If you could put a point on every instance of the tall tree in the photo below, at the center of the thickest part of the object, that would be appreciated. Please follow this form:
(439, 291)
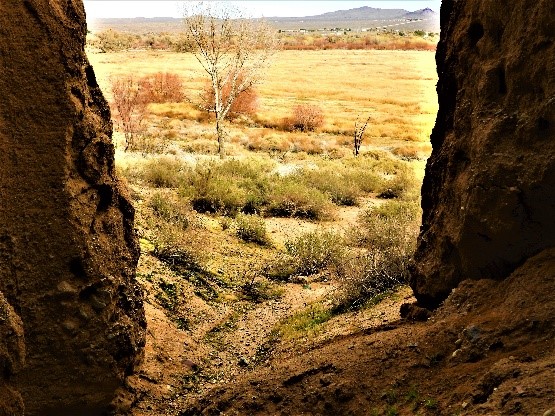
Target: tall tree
(234, 51)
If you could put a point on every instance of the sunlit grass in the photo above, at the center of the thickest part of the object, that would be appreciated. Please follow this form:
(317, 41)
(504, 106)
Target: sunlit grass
(395, 88)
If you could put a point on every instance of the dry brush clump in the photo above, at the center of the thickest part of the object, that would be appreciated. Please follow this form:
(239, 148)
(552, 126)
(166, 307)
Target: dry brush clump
(162, 87)
(251, 229)
(308, 254)
(305, 118)
(111, 40)
(290, 198)
(130, 105)
(164, 172)
(251, 187)
(384, 241)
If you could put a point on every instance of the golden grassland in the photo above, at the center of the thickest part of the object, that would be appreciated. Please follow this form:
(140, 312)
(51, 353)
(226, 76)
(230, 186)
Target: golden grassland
(395, 88)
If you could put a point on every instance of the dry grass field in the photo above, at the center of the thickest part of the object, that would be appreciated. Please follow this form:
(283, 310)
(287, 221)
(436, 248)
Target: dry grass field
(395, 88)
(289, 241)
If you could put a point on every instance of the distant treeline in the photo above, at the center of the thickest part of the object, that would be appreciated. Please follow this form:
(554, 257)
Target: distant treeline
(114, 41)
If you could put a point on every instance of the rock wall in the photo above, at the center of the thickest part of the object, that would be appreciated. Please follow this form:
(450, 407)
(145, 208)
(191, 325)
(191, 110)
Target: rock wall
(67, 244)
(489, 192)
(12, 358)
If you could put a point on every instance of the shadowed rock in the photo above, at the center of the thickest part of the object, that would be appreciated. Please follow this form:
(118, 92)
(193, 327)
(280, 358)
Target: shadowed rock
(67, 243)
(12, 357)
(489, 191)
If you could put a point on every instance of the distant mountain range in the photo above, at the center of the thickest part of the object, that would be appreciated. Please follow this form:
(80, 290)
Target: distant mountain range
(355, 19)
(370, 13)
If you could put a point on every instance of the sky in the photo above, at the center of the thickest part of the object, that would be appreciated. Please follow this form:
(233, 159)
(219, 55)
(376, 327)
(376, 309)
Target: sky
(253, 8)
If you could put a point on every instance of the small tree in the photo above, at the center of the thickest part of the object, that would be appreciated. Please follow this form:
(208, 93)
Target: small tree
(358, 133)
(233, 51)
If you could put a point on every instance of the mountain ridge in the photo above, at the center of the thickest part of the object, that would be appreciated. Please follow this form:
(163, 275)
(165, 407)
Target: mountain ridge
(358, 18)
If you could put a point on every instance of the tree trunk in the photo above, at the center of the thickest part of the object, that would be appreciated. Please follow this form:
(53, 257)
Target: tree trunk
(221, 138)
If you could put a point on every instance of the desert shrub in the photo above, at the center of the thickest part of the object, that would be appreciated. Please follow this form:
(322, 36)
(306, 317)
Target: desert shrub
(315, 251)
(292, 199)
(149, 144)
(309, 145)
(280, 268)
(340, 188)
(228, 187)
(251, 228)
(403, 185)
(130, 105)
(408, 152)
(226, 223)
(368, 276)
(305, 117)
(387, 233)
(170, 211)
(164, 172)
(219, 196)
(391, 224)
(114, 41)
(259, 290)
(307, 322)
(162, 87)
(261, 141)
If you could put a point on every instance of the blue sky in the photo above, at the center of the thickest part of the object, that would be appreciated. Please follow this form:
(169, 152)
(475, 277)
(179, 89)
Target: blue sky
(254, 8)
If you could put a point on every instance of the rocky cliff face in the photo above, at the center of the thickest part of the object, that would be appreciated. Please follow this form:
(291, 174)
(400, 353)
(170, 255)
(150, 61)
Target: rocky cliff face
(67, 244)
(489, 192)
(12, 357)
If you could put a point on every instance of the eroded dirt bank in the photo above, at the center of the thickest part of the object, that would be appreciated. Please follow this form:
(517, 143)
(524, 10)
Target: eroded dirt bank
(487, 351)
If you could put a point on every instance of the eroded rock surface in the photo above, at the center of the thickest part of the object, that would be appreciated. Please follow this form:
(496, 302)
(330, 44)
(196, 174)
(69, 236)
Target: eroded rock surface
(67, 243)
(12, 357)
(489, 192)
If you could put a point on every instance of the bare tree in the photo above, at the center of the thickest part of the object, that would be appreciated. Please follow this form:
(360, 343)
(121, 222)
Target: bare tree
(358, 133)
(233, 51)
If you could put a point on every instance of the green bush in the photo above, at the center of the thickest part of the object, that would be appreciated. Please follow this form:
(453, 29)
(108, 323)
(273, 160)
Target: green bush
(333, 182)
(164, 172)
(228, 188)
(387, 234)
(315, 251)
(281, 268)
(251, 228)
(391, 224)
(403, 185)
(290, 198)
(370, 275)
(172, 212)
(306, 322)
(260, 290)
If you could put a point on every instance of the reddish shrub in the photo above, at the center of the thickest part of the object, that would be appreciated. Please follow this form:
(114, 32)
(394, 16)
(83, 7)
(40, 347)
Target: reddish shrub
(305, 117)
(130, 106)
(162, 88)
